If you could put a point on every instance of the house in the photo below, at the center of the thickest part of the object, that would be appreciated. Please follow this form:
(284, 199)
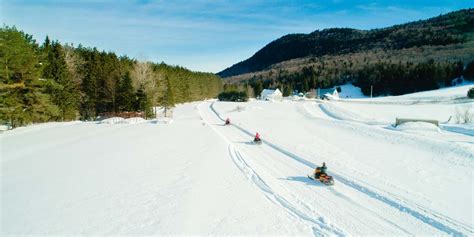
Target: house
(271, 95)
(328, 93)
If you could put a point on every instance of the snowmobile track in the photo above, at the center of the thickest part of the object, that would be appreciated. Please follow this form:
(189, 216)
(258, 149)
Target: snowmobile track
(321, 227)
(368, 192)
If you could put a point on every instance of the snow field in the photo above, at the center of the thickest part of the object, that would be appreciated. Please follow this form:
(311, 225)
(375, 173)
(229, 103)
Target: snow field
(145, 178)
(197, 176)
(314, 144)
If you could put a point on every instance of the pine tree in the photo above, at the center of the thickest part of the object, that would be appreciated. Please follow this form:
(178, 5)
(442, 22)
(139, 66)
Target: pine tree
(258, 88)
(125, 93)
(22, 97)
(468, 73)
(87, 81)
(62, 89)
(168, 100)
(141, 102)
(287, 90)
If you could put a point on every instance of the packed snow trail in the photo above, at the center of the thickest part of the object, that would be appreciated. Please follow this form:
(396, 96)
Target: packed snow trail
(373, 194)
(465, 156)
(141, 179)
(318, 226)
(429, 219)
(369, 226)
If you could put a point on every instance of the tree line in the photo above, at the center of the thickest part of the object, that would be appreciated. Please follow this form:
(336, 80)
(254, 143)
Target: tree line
(385, 77)
(59, 82)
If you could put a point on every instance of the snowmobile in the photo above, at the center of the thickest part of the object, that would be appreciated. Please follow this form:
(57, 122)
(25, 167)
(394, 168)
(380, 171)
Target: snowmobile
(227, 122)
(257, 141)
(322, 177)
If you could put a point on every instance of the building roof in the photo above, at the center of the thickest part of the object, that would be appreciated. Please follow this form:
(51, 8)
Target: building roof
(267, 92)
(330, 91)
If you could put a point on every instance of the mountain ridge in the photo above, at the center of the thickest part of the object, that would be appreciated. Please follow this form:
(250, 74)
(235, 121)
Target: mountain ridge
(451, 28)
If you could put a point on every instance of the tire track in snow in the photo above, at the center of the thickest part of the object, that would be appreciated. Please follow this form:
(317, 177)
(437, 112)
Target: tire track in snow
(344, 214)
(387, 134)
(318, 226)
(370, 193)
(239, 161)
(284, 152)
(435, 214)
(270, 154)
(342, 196)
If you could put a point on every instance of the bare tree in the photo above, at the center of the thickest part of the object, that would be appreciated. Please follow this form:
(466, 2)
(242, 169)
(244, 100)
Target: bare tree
(464, 114)
(250, 92)
(142, 76)
(74, 62)
(150, 81)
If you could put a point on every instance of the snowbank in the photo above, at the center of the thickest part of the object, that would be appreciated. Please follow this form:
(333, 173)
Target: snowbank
(339, 111)
(454, 94)
(164, 120)
(134, 120)
(4, 127)
(113, 120)
(417, 126)
(119, 120)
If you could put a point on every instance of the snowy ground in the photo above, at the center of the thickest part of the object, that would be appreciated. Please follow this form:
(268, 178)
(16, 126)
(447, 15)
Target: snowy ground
(196, 176)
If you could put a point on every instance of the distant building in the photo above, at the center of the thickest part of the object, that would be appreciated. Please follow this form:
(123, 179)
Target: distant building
(271, 95)
(328, 93)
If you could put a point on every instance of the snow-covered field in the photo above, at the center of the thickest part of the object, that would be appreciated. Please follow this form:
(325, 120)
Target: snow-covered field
(196, 176)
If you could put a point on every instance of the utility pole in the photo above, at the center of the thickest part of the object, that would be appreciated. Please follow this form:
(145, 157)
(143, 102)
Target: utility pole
(371, 89)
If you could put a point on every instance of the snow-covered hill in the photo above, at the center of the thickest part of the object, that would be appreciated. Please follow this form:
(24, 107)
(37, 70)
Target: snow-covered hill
(196, 176)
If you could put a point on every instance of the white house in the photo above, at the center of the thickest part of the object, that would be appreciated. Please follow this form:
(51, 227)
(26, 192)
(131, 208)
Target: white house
(328, 93)
(271, 95)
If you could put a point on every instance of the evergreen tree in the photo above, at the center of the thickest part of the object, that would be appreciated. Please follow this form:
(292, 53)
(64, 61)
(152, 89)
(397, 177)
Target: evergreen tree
(287, 90)
(22, 97)
(87, 81)
(62, 89)
(258, 88)
(168, 100)
(468, 73)
(142, 103)
(125, 93)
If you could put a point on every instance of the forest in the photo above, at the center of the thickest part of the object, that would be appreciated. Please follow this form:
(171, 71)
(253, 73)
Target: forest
(59, 82)
(416, 56)
(385, 78)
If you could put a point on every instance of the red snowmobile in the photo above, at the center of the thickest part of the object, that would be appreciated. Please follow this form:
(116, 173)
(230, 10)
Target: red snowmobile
(257, 139)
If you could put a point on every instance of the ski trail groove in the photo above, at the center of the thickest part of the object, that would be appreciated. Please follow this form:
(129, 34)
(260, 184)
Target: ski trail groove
(372, 194)
(255, 179)
(307, 112)
(321, 228)
(343, 196)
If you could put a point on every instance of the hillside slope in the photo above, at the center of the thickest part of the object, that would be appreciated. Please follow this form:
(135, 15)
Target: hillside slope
(452, 28)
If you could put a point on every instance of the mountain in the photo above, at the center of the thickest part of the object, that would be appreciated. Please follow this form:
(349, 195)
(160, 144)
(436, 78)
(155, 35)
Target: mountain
(454, 28)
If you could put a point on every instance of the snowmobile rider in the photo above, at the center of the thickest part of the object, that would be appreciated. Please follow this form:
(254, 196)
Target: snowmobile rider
(227, 121)
(320, 170)
(257, 137)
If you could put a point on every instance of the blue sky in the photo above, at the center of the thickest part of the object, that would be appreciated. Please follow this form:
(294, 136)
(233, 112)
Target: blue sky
(203, 35)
